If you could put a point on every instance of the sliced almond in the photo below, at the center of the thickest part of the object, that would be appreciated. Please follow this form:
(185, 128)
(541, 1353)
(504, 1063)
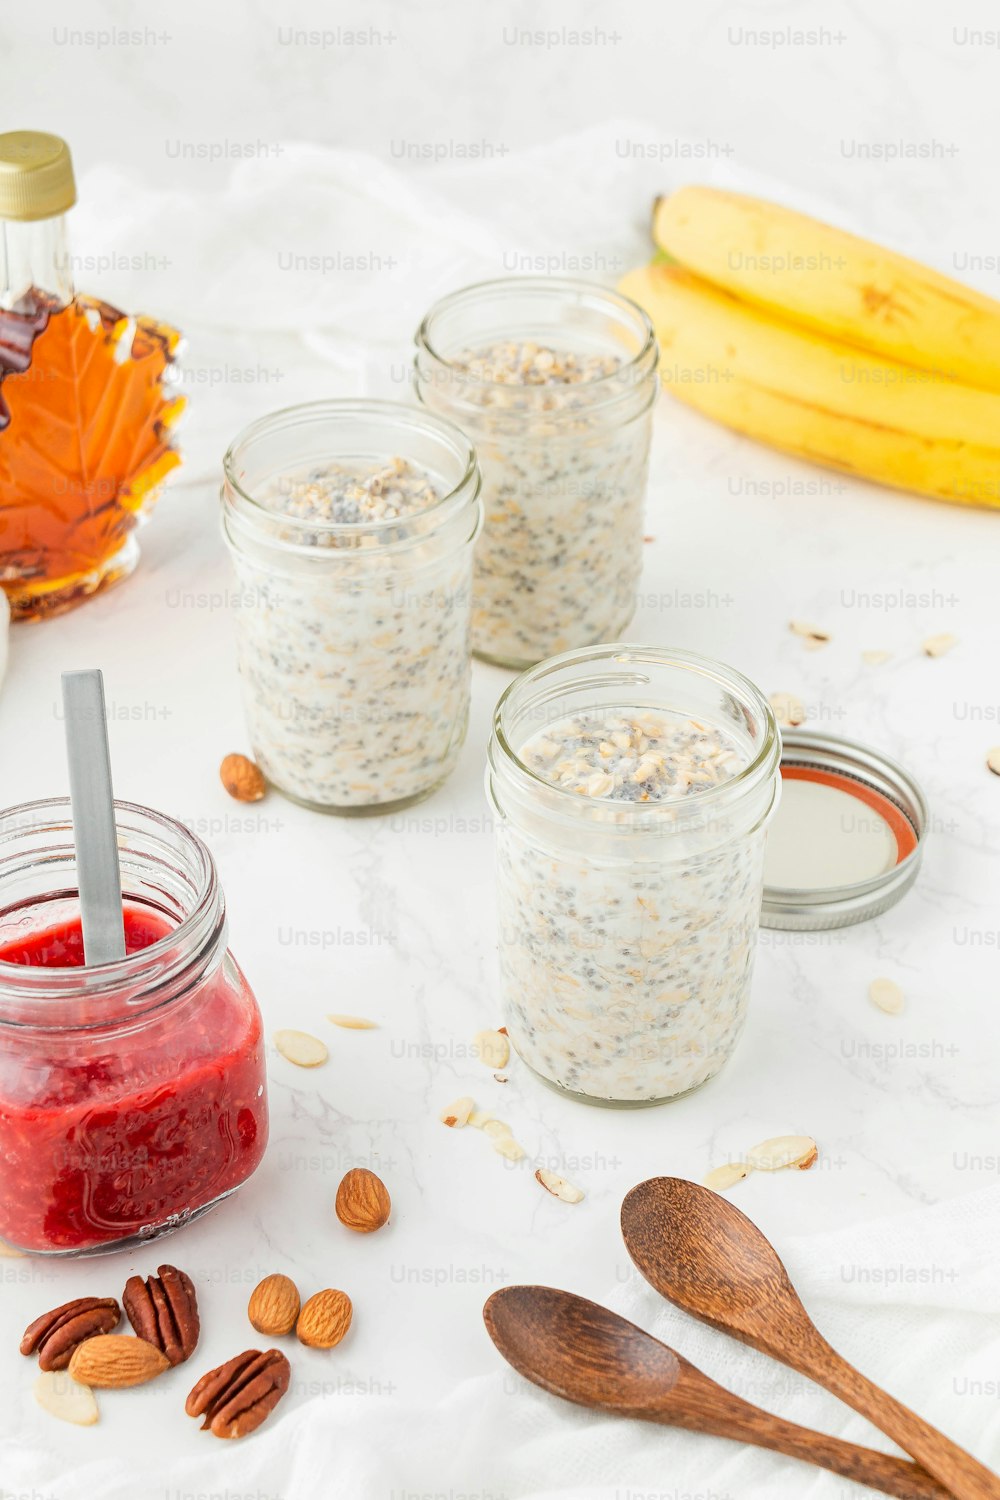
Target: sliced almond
(565, 1191)
(492, 1048)
(505, 1145)
(480, 1118)
(300, 1048)
(495, 1128)
(353, 1023)
(812, 635)
(113, 1361)
(993, 760)
(66, 1398)
(783, 1151)
(887, 995)
(939, 645)
(726, 1176)
(788, 709)
(458, 1114)
(9, 1252)
(875, 658)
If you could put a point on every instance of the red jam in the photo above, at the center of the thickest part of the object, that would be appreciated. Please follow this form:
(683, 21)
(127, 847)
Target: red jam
(119, 1132)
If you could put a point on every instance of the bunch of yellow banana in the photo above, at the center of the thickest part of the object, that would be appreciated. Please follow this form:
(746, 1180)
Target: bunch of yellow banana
(826, 346)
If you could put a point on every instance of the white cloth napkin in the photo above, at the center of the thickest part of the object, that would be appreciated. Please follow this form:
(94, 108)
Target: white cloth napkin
(912, 1300)
(312, 268)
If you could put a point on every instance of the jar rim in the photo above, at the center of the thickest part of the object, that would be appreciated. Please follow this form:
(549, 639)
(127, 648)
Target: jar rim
(306, 412)
(148, 970)
(764, 762)
(549, 285)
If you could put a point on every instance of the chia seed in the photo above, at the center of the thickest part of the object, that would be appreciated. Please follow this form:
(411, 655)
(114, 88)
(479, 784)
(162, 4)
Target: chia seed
(356, 670)
(626, 972)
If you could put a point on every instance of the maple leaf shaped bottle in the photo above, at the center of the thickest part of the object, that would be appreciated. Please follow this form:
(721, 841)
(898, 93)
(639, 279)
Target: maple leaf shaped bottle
(85, 411)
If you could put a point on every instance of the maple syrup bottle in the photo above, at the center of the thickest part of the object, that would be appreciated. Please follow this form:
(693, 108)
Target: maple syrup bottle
(85, 414)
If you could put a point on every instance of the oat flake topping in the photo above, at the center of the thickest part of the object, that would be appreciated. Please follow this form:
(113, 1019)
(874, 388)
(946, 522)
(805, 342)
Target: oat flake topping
(528, 363)
(632, 756)
(357, 496)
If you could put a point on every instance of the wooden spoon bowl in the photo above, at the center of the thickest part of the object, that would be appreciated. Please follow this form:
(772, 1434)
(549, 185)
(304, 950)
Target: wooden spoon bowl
(706, 1257)
(589, 1355)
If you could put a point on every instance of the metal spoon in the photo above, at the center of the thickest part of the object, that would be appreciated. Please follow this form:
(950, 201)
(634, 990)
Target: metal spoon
(587, 1354)
(706, 1257)
(93, 803)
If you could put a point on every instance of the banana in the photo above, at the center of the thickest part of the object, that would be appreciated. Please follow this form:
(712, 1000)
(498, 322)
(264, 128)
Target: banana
(819, 399)
(833, 282)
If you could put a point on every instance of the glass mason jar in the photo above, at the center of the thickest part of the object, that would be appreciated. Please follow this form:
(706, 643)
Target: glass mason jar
(353, 635)
(564, 456)
(132, 1094)
(627, 926)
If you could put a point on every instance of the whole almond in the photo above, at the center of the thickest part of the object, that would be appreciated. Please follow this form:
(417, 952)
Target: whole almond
(242, 779)
(324, 1320)
(114, 1360)
(274, 1305)
(363, 1202)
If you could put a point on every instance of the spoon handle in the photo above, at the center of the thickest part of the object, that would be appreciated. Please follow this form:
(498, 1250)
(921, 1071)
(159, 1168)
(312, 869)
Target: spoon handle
(717, 1411)
(965, 1477)
(93, 803)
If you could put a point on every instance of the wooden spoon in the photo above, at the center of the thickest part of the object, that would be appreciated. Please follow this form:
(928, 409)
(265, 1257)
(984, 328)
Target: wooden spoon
(587, 1354)
(706, 1257)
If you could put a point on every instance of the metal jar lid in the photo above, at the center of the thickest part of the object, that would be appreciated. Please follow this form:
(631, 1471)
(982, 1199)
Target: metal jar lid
(847, 838)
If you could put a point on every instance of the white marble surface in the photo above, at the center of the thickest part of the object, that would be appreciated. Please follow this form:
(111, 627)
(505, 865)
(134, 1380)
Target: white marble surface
(398, 912)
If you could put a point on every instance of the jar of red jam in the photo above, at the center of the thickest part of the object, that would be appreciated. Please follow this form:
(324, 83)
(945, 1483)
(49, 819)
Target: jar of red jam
(132, 1094)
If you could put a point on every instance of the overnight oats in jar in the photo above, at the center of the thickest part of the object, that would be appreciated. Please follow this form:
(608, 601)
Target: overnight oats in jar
(554, 381)
(632, 788)
(351, 526)
(132, 1094)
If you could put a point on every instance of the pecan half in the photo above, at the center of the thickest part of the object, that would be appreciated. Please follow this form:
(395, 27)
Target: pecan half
(57, 1333)
(238, 1396)
(163, 1310)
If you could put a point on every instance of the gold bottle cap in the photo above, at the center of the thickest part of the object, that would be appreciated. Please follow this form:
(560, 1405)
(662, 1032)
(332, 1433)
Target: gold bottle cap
(36, 175)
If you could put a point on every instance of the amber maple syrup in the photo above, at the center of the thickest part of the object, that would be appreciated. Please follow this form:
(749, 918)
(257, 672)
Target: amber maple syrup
(85, 414)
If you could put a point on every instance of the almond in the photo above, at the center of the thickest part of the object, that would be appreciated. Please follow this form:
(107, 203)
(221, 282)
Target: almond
(242, 779)
(726, 1176)
(113, 1360)
(456, 1115)
(492, 1048)
(887, 995)
(783, 1151)
(992, 760)
(363, 1202)
(353, 1023)
(787, 709)
(66, 1398)
(274, 1305)
(939, 645)
(812, 635)
(565, 1191)
(300, 1048)
(324, 1320)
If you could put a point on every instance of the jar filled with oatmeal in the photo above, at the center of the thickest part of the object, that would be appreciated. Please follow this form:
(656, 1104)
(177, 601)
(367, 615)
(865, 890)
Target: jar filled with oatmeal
(351, 525)
(632, 788)
(554, 381)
